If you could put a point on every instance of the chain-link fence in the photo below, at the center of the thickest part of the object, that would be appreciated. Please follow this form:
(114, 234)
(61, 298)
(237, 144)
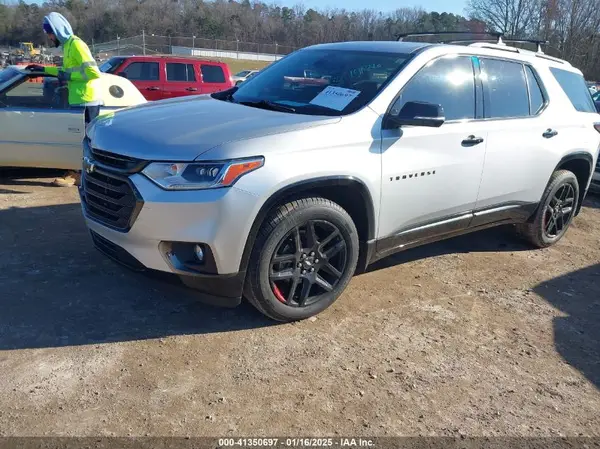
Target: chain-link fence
(147, 44)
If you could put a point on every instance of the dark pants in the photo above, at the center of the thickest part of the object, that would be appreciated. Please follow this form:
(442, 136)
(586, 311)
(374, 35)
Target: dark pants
(91, 112)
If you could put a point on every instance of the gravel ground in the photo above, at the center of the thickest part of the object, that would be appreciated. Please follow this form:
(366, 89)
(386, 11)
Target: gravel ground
(478, 335)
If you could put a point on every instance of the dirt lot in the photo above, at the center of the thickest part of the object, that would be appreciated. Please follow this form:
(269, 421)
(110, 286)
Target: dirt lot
(473, 336)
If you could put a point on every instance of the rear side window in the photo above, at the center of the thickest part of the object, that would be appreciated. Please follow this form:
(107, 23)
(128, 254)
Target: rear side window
(536, 96)
(448, 82)
(506, 94)
(574, 86)
(180, 72)
(142, 71)
(212, 74)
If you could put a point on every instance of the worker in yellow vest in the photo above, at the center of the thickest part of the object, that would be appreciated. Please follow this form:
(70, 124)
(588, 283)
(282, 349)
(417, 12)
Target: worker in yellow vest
(79, 68)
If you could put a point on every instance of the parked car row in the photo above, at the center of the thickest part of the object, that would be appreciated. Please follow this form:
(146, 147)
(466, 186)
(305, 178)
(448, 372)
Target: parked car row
(280, 188)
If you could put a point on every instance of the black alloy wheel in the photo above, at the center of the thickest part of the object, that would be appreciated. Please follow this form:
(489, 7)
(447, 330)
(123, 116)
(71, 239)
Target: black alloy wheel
(555, 212)
(559, 211)
(303, 258)
(308, 262)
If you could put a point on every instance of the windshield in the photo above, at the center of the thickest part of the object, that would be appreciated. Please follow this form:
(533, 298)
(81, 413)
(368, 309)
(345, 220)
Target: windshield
(111, 65)
(242, 73)
(322, 82)
(8, 76)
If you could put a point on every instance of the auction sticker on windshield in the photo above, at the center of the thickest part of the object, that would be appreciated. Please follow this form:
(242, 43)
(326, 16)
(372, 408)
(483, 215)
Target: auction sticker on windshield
(334, 97)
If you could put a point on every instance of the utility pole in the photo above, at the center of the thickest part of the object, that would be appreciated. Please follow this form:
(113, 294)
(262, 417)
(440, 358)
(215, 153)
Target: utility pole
(193, 44)
(118, 45)
(144, 42)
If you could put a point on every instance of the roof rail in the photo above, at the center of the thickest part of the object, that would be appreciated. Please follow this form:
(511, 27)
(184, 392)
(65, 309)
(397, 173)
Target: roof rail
(497, 35)
(551, 58)
(537, 42)
(502, 47)
(499, 38)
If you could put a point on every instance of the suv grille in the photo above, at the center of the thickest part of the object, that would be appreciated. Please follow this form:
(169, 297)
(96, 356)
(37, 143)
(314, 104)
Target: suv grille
(122, 163)
(116, 253)
(110, 199)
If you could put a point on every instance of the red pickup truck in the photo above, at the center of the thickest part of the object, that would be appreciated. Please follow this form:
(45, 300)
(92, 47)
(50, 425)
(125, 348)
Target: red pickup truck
(160, 77)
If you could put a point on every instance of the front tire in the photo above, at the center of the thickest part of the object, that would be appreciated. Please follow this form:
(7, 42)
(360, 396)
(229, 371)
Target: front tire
(556, 211)
(303, 259)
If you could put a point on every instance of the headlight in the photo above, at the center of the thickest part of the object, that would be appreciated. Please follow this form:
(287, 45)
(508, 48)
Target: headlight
(200, 175)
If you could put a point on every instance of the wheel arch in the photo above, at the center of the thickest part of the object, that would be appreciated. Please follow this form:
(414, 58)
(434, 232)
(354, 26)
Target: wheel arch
(580, 163)
(339, 189)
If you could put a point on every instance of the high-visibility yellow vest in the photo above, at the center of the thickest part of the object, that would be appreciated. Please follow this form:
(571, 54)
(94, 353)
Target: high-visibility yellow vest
(79, 68)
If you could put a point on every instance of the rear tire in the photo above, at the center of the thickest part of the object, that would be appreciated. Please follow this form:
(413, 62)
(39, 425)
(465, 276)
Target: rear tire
(303, 259)
(555, 212)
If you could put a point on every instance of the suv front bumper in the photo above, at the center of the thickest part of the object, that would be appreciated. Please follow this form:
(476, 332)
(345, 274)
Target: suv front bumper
(218, 219)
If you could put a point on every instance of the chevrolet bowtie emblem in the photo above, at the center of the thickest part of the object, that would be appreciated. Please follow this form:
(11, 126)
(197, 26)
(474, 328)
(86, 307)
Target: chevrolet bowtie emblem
(88, 165)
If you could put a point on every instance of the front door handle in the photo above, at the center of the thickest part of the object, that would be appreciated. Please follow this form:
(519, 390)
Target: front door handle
(152, 88)
(472, 140)
(550, 133)
(192, 89)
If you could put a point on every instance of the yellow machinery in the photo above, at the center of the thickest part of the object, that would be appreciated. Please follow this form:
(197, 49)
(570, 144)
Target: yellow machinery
(28, 49)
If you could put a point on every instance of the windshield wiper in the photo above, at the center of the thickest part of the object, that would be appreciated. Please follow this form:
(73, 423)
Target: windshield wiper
(226, 95)
(270, 105)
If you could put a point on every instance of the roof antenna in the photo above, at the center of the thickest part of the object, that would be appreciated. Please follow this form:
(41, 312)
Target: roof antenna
(539, 47)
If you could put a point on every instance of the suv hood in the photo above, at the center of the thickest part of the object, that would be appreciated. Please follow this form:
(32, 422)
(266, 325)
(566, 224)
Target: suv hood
(181, 129)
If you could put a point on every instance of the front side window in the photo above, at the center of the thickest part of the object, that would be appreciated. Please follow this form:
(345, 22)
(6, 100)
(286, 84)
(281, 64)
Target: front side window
(506, 94)
(142, 71)
(449, 82)
(574, 86)
(323, 82)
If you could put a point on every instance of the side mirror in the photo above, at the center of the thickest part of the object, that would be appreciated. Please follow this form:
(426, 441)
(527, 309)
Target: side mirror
(415, 113)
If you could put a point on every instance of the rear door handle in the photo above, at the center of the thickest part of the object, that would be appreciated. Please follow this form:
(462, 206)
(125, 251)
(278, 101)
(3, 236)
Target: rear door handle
(152, 88)
(191, 89)
(549, 133)
(472, 140)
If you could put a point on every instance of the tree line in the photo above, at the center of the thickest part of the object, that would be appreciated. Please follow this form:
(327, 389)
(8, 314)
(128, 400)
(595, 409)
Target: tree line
(570, 26)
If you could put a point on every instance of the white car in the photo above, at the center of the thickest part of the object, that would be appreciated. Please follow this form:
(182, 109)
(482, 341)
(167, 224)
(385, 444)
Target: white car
(38, 128)
(337, 156)
(242, 76)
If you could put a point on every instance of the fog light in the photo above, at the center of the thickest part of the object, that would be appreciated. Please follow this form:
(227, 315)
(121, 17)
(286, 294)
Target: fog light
(199, 253)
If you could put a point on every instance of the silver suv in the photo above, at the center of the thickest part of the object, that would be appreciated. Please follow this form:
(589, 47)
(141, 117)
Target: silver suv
(338, 155)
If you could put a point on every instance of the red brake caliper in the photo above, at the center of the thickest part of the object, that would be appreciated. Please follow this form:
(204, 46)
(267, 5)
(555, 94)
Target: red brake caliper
(278, 294)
